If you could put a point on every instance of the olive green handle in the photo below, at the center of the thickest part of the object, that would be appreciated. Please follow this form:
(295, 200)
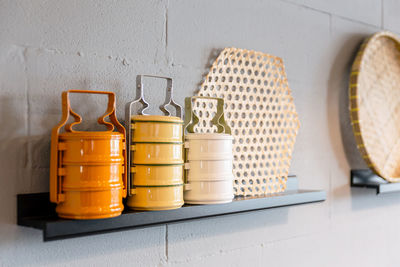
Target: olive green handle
(218, 120)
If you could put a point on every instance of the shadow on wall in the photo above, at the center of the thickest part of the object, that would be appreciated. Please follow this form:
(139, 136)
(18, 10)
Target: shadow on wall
(346, 152)
(254, 223)
(137, 242)
(13, 156)
(361, 198)
(89, 107)
(210, 61)
(144, 242)
(17, 149)
(338, 89)
(25, 141)
(23, 159)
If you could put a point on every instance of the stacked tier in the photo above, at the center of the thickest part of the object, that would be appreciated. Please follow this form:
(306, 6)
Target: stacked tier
(87, 169)
(209, 168)
(157, 163)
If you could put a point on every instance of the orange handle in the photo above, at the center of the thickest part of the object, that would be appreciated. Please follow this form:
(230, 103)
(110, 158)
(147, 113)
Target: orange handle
(55, 152)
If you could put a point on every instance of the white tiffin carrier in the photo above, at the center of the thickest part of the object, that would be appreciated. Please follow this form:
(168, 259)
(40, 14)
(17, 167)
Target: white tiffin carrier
(208, 165)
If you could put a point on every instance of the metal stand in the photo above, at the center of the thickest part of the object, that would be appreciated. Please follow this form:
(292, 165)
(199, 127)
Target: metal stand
(368, 179)
(35, 210)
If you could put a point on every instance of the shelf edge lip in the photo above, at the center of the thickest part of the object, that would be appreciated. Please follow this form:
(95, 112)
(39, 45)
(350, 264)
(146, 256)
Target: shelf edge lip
(43, 218)
(388, 188)
(309, 197)
(380, 185)
(47, 237)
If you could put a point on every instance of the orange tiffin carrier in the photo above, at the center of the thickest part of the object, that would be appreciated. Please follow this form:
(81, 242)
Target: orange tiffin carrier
(88, 168)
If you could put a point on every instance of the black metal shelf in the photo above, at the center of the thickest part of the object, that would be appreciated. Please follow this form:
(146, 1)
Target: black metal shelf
(368, 179)
(35, 210)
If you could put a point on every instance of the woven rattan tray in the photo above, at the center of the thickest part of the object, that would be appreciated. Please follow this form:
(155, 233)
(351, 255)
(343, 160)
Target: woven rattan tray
(260, 110)
(374, 94)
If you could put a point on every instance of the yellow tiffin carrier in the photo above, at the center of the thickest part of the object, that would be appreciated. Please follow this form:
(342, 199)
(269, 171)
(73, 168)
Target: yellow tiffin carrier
(156, 156)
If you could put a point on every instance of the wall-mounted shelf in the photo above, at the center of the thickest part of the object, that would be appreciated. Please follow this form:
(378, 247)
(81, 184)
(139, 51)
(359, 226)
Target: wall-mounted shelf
(368, 179)
(35, 210)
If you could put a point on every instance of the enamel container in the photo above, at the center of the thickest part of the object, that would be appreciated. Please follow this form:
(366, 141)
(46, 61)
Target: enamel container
(156, 197)
(87, 169)
(209, 192)
(208, 165)
(156, 155)
(143, 175)
(208, 146)
(152, 128)
(203, 170)
(208, 168)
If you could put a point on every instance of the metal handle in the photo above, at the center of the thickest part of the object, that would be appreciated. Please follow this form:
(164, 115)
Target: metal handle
(186, 166)
(140, 99)
(187, 187)
(56, 148)
(168, 98)
(218, 120)
(191, 120)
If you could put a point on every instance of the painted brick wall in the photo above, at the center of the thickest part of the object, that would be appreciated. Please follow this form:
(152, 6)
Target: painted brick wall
(49, 46)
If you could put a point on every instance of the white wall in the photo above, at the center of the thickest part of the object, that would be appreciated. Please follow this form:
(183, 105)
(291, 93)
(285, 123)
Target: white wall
(50, 46)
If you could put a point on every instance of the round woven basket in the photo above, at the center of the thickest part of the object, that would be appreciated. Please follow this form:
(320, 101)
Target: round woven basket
(374, 94)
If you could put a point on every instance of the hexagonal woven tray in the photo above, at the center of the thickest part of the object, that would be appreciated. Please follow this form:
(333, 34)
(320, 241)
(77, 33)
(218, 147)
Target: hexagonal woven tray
(374, 94)
(260, 110)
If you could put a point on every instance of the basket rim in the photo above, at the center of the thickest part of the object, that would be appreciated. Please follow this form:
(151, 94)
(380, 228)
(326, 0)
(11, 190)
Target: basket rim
(356, 70)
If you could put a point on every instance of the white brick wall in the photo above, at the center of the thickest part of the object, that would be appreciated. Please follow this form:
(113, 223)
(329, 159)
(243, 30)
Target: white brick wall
(50, 46)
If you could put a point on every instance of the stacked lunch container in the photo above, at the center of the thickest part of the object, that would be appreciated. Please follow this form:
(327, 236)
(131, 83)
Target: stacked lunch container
(209, 177)
(156, 155)
(87, 168)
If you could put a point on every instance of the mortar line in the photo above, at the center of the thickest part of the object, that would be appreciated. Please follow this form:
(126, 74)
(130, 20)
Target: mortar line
(28, 117)
(166, 25)
(166, 242)
(166, 32)
(355, 21)
(328, 13)
(27, 93)
(305, 7)
(232, 250)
